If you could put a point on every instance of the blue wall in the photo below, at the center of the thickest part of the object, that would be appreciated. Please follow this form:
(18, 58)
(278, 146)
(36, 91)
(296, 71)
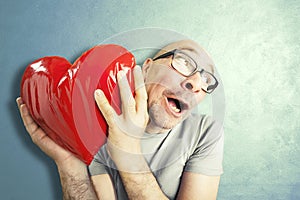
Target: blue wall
(255, 45)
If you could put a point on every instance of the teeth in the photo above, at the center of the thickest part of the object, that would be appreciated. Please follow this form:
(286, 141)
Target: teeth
(175, 109)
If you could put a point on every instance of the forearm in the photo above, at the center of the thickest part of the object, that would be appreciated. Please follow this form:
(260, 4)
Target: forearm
(137, 178)
(76, 183)
(141, 186)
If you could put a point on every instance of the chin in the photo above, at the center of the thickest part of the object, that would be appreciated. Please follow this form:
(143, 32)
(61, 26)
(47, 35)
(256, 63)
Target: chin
(161, 119)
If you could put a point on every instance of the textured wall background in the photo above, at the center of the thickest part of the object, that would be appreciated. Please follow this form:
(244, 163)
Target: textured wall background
(255, 45)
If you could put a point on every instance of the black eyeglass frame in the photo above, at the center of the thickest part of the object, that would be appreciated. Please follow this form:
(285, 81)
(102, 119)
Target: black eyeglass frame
(210, 88)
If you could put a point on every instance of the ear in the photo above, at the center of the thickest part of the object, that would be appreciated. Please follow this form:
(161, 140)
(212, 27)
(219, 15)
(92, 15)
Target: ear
(146, 66)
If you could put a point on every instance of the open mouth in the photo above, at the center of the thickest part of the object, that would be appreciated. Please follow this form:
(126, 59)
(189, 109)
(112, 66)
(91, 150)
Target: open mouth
(176, 105)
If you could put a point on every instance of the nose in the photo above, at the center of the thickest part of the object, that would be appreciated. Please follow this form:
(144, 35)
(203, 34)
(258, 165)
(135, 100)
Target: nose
(192, 83)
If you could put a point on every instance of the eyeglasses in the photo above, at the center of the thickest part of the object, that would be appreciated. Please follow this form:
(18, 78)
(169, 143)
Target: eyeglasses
(186, 66)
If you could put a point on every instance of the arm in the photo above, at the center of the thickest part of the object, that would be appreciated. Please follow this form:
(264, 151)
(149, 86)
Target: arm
(74, 178)
(75, 181)
(140, 183)
(206, 159)
(104, 187)
(198, 186)
(124, 138)
(138, 179)
(143, 185)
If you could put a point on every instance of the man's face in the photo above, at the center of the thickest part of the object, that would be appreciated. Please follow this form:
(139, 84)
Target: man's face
(171, 96)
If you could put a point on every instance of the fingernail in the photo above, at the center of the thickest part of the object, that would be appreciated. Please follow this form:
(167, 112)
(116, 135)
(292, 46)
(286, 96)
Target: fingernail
(121, 74)
(99, 93)
(137, 67)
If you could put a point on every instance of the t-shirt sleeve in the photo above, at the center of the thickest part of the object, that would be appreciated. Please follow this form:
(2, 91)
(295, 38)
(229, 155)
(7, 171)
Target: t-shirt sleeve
(207, 156)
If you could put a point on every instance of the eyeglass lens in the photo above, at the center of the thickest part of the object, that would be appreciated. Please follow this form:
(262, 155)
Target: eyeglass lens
(186, 66)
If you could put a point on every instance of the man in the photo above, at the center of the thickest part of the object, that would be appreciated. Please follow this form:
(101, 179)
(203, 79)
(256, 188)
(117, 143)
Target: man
(156, 149)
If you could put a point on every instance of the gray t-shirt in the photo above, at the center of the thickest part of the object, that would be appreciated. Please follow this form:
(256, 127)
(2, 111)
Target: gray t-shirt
(195, 145)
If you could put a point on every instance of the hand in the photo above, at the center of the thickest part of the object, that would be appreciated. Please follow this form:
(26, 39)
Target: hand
(41, 139)
(125, 130)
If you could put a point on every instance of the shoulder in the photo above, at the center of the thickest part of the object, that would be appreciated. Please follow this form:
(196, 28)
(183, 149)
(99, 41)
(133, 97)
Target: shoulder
(207, 146)
(201, 129)
(200, 123)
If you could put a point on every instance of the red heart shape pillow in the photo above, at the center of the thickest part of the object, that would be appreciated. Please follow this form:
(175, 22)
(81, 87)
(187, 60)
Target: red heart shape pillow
(60, 96)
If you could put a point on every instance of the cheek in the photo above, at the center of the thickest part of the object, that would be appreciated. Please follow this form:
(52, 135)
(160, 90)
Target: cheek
(199, 97)
(195, 99)
(154, 92)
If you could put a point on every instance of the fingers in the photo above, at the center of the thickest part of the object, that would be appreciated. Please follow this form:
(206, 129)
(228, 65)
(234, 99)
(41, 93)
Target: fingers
(127, 100)
(38, 136)
(140, 90)
(32, 128)
(28, 121)
(130, 105)
(19, 101)
(107, 111)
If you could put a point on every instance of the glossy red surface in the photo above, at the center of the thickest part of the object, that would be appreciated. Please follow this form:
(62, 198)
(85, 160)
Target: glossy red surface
(60, 96)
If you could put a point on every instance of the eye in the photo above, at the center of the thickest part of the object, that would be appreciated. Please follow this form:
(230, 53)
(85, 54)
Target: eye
(206, 78)
(183, 63)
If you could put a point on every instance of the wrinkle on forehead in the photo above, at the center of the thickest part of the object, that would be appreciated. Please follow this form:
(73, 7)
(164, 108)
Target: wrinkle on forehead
(194, 50)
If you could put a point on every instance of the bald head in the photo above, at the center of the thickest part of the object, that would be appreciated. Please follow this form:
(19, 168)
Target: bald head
(194, 50)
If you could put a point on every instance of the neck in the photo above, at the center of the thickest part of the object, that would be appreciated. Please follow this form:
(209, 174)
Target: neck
(152, 128)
